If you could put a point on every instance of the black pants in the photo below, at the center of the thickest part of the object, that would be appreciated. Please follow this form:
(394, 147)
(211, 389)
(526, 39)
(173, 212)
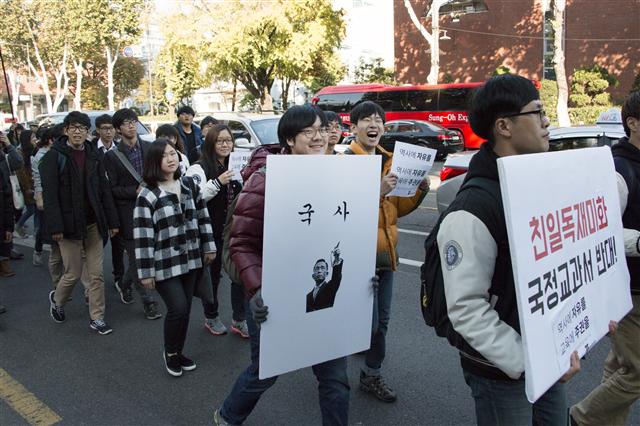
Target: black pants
(210, 307)
(130, 278)
(117, 257)
(177, 293)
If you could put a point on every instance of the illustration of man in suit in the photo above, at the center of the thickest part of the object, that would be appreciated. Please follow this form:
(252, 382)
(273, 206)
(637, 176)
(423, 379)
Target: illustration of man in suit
(323, 294)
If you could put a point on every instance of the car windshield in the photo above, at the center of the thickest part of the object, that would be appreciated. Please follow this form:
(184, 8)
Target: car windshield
(266, 130)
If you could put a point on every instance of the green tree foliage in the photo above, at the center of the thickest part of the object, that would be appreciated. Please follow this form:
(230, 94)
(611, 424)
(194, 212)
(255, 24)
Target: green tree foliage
(502, 69)
(178, 66)
(372, 71)
(256, 42)
(325, 73)
(128, 74)
(589, 87)
(549, 98)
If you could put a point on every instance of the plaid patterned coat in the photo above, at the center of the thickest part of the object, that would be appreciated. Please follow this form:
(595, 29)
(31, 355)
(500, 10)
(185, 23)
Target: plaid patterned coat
(171, 235)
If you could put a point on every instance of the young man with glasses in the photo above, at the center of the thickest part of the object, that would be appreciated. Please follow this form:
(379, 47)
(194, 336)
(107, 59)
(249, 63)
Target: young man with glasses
(189, 132)
(476, 261)
(106, 134)
(80, 215)
(124, 170)
(335, 131)
(367, 123)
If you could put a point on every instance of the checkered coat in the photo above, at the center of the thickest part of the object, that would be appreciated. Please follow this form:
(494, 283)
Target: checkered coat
(171, 235)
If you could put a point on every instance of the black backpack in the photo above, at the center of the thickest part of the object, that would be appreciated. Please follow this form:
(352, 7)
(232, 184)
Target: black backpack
(433, 303)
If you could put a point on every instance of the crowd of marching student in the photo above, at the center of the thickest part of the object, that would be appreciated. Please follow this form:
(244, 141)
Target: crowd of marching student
(165, 205)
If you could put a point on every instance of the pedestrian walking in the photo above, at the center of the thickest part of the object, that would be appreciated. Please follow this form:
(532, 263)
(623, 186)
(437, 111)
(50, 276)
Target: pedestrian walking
(301, 131)
(25, 177)
(124, 166)
(610, 402)
(173, 239)
(189, 132)
(367, 124)
(80, 216)
(218, 187)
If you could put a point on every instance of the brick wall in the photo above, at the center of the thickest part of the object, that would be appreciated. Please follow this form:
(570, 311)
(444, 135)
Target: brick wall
(476, 49)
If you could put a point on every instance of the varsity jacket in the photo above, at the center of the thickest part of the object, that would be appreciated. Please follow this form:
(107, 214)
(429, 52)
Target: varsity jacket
(171, 234)
(478, 278)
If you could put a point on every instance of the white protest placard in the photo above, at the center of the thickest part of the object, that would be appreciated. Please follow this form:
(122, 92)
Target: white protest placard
(565, 234)
(237, 161)
(411, 163)
(319, 255)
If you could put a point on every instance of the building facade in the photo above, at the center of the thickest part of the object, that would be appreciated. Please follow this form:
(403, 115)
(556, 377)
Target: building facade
(517, 34)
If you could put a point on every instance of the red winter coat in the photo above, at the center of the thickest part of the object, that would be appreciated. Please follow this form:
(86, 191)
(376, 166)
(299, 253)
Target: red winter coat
(245, 238)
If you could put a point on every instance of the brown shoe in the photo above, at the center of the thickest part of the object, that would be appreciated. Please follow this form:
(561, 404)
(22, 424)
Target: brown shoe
(5, 269)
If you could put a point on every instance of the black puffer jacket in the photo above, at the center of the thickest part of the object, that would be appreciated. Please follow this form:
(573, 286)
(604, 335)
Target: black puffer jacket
(626, 158)
(65, 206)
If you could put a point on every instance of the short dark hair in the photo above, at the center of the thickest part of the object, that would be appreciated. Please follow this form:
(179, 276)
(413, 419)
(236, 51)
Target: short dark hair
(366, 109)
(121, 115)
(152, 171)
(323, 261)
(103, 119)
(631, 108)
(332, 117)
(208, 120)
(499, 96)
(168, 130)
(295, 119)
(77, 117)
(185, 109)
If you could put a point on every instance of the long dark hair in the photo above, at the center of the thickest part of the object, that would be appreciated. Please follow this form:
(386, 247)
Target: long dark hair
(170, 130)
(26, 147)
(152, 171)
(208, 159)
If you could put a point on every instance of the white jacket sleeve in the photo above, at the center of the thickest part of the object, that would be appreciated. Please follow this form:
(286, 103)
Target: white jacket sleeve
(208, 188)
(468, 254)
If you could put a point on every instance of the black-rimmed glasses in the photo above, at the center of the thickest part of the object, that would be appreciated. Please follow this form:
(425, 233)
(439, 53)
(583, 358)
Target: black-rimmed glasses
(541, 113)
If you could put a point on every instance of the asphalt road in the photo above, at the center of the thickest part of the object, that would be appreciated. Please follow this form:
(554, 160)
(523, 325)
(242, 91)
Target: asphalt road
(119, 379)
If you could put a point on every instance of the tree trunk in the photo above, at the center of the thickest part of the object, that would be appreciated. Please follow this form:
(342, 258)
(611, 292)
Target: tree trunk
(62, 80)
(431, 38)
(41, 76)
(77, 100)
(14, 86)
(286, 83)
(559, 60)
(235, 94)
(266, 102)
(111, 62)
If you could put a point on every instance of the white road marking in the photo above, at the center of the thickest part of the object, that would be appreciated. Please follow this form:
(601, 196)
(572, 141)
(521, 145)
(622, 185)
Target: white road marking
(410, 231)
(410, 262)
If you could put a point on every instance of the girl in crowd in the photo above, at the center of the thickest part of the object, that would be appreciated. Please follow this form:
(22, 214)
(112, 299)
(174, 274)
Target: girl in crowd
(218, 189)
(173, 238)
(27, 146)
(335, 131)
(171, 134)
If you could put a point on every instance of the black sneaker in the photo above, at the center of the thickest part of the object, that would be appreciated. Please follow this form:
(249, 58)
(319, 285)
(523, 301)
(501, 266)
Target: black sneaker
(2, 309)
(100, 326)
(172, 363)
(151, 311)
(186, 363)
(125, 293)
(57, 312)
(377, 386)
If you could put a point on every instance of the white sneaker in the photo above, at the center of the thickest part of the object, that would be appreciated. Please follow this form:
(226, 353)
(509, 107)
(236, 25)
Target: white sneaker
(37, 258)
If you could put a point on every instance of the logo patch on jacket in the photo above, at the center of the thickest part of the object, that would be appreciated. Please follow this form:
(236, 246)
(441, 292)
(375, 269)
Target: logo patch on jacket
(452, 254)
(196, 179)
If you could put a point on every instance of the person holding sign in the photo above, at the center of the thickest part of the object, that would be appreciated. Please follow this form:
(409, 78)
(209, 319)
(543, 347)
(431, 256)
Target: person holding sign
(476, 262)
(611, 401)
(211, 173)
(367, 123)
(301, 131)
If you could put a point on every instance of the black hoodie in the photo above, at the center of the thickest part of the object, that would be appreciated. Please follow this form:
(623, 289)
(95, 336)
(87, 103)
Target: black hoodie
(626, 158)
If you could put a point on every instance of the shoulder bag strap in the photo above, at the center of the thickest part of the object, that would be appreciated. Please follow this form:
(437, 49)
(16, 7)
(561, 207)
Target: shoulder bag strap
(127, 165)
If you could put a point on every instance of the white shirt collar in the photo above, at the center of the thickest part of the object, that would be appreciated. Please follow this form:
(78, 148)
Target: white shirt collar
(101, 145)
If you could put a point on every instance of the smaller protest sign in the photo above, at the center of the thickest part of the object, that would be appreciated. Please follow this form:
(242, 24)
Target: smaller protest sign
(411, 163)
(237, 161)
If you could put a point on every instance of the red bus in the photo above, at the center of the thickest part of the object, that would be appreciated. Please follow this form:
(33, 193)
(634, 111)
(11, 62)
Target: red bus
(444, 104)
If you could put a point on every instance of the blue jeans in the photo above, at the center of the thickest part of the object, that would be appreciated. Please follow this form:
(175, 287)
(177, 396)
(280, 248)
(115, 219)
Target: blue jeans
(333, 386)
(29, 210)
(503, 402)
(381, 314)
